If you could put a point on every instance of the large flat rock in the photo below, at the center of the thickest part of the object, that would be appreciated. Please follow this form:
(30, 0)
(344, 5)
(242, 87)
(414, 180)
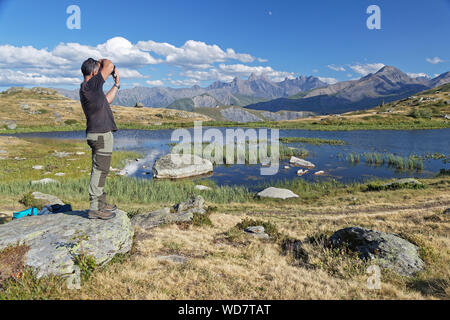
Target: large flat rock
(176, 166)
(54, 243)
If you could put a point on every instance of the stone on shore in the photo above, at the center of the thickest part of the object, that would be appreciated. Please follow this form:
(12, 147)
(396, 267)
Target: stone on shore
(301, 162)
(176, 166)
(277, 193)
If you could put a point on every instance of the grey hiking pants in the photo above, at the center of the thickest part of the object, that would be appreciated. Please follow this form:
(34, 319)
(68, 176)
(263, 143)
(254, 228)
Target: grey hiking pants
(102, 147)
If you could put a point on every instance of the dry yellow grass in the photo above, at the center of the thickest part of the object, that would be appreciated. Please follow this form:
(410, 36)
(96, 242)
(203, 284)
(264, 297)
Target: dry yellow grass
(259, 270)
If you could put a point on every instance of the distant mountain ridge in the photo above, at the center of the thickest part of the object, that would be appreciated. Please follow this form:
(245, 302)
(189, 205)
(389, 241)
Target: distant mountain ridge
(237, 92)
(388, 84)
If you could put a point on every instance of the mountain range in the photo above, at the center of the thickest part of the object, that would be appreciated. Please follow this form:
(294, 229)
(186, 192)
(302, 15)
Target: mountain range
(299, 94)
(237, 92)
(386, 85)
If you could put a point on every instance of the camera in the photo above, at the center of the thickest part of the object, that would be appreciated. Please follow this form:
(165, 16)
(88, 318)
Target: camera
(114, 73)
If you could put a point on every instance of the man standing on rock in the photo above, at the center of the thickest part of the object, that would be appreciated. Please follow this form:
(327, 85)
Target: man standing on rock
(99, 131)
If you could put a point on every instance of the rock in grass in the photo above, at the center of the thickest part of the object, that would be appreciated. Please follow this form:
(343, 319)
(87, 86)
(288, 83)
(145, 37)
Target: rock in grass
(202, 188)
(44, 181)
(176, 166)
(191, 205)
(173, 258)
(295, 248)
(11, 125)
(162, 216)
(257, 231)
(300, 162)
(183, 212)
(54, 240)
(277, 193)
(446, 211)
(386, 249)
(47, 198)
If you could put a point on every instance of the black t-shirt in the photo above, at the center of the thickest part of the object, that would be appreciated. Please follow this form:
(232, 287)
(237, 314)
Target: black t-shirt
(95, 106)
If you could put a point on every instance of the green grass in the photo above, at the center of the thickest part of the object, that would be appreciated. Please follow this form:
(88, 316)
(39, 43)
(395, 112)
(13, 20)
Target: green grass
(313, 141)
(131, 190)
(41, 152)
(285, 152)
(393, 123)
(381, 186)
(376, 159)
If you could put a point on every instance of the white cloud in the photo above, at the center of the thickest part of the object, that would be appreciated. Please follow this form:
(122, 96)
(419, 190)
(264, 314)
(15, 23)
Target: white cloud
(28, 56)
(61, 65)
(185, 82)
(244, 70)
(315, 70)
(227, 73)
(365, 69)
(155, 83)
(336, 68)
(19, 78)
(328, 80)
(193, 53)
(126, 73)
(119, 50)
(435, 60)
(417, 75)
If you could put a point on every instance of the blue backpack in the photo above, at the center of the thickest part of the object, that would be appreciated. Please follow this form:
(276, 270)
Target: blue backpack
(26, 213)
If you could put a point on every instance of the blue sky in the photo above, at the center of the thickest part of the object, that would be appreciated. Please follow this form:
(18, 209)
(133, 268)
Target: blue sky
(182, 43)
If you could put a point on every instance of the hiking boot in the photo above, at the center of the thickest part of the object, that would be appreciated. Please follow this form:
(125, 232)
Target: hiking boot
(101, 214)
(108, 207)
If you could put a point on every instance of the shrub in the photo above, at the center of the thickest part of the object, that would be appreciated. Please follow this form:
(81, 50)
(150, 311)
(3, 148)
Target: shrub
(71, 122)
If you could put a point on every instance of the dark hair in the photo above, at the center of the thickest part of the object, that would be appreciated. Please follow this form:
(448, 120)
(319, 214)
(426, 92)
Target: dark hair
(89, 66)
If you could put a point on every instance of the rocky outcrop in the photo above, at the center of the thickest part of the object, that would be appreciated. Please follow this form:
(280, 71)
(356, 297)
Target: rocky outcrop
(192, 205)
(55, 240)
(300, 162)
(176, 166)
(277, 193)
(156, 218)
(239, 115)
(181, 212)
(386, 249)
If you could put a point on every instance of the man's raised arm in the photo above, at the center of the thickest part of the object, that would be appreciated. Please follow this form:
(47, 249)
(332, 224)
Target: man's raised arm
(106, 68)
